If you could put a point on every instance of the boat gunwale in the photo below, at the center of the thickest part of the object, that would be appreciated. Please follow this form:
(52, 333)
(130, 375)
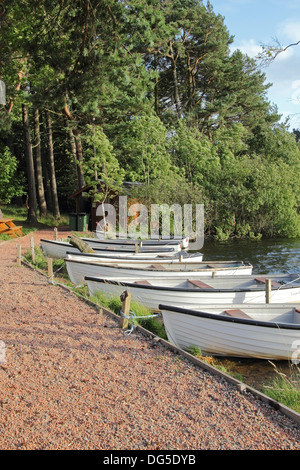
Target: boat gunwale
(129, 241)
(111, 251)
(176, 255)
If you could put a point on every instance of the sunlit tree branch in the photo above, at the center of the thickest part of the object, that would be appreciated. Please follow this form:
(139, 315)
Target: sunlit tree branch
(270, 52)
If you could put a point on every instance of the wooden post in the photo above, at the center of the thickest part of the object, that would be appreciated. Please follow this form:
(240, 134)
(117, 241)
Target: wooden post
(32, 250)
(50, 269)
(55, 233)
(19, 255)
(136, 248)
(268, 290)
(126, 299)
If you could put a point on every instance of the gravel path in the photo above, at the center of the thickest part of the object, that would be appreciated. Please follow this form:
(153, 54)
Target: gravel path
(72, 380)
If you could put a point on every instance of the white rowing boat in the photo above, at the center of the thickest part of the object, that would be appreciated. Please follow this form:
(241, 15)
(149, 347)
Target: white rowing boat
(78, 267)
(133, 245)
(154, 240)
(194, 293)
(263, 331)
(59, 249)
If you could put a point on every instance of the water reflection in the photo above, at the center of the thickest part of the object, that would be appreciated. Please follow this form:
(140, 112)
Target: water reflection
(266, 256)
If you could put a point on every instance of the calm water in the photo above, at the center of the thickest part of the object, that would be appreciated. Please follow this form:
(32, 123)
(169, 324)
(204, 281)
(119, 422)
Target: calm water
(266, 256)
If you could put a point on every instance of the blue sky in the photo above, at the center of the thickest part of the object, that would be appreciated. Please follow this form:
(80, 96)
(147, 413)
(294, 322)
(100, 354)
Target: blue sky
(257, 22)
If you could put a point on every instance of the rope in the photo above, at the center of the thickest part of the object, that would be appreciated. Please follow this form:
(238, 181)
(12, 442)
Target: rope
(132, 316)
(284, 284)
(62, 266)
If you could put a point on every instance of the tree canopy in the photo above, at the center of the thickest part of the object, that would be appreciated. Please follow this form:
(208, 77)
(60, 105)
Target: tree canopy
(146, 91)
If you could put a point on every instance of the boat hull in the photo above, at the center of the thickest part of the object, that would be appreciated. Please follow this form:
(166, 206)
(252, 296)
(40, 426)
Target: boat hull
(132, 246)
(217, 335)
(184, 242)
(59, 249)
(78, 270)
(193, 297)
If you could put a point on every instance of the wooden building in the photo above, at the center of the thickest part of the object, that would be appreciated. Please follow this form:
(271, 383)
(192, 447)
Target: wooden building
(84, 203)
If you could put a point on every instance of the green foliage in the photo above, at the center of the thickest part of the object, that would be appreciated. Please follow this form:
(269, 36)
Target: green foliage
(100, 161)
(146, 148)
(10, 184)
(152, 93)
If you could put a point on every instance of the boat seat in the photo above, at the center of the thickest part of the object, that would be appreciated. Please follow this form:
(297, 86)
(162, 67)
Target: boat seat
(157, 266)
(263, 281)
(143, 282)
(197, 283)
(236, 313)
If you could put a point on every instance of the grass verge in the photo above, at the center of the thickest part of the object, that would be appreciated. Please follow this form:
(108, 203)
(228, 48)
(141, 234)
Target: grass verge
(284, 389)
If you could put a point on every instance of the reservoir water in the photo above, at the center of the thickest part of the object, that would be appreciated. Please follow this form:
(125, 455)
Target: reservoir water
(266, 256)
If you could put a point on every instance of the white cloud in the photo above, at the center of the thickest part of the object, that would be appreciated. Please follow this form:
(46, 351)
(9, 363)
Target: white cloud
(290, 30)
(296, 92)
(250, 47)
(254, 49)
(285, 55)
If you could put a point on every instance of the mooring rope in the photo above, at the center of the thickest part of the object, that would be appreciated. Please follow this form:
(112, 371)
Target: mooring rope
(132, 316)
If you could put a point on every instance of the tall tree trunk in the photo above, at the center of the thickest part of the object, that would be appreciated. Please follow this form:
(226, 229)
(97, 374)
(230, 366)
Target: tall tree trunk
(38, 165)
(48, 192)
(56, 212)
(156, 90)
(32, 203)
(74, 155)
(174, 57)
(79, 154)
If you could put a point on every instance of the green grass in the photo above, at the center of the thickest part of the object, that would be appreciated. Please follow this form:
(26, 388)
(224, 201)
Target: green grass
(286, 390)
(41, 263)
(114, 304)
(19, 214)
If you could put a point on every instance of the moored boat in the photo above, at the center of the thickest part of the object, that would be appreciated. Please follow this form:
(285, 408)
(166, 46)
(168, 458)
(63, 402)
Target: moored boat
(59, 249)
(194, 293)
(133, 245)
(263, 331)
(78, 267)
(154, 240)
